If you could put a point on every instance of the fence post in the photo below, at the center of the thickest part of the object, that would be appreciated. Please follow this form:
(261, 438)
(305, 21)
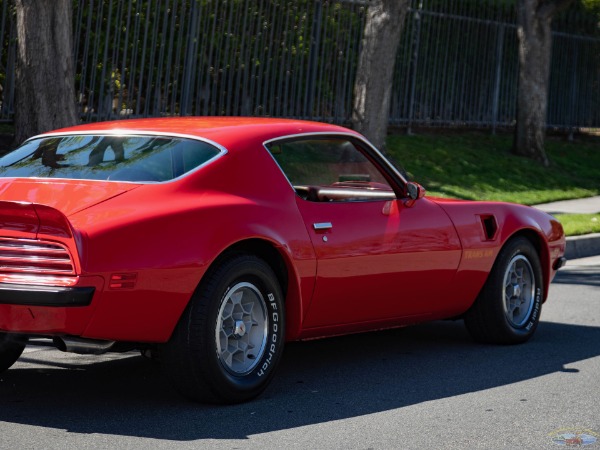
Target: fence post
(572, 119)
(415, 63)
(8, 97)
(315, 44)
(496, 99)
(190, 61)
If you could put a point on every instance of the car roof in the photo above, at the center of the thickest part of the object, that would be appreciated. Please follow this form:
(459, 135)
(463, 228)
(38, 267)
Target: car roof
(225, 131)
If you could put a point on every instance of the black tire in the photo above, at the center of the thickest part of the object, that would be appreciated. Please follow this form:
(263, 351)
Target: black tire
(11, 348)
(507, 310)
(195, 358)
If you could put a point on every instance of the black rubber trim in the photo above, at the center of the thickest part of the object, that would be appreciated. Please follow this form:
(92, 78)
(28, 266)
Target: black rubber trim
(22, 294)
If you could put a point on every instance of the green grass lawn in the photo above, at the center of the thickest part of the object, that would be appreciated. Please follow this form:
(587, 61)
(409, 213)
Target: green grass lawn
(478, 166)
(577, 224)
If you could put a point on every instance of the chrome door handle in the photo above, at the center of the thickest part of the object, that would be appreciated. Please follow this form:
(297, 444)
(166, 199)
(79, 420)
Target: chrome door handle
(320, 226)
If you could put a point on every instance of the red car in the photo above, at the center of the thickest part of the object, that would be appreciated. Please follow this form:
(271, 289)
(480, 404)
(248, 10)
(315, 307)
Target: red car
(210, 242)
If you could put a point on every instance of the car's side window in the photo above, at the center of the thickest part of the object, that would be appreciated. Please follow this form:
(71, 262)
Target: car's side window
(330, 169)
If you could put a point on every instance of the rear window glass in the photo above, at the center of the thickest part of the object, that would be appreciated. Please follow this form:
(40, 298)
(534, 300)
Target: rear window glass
(115, 158)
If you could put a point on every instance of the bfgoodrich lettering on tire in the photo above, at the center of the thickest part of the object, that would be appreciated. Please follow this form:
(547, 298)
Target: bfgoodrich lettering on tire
(230, 339)
(507, 310)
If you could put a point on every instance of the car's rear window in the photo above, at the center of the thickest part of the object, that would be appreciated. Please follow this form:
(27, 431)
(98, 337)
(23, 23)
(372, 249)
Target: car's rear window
(115, 158)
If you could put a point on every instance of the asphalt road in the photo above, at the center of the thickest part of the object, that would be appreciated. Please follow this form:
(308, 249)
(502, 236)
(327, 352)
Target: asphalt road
(421, 387)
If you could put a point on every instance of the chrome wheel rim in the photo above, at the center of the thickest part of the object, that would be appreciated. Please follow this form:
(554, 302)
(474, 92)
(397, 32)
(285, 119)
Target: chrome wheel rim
(241, 329)
(518, 291)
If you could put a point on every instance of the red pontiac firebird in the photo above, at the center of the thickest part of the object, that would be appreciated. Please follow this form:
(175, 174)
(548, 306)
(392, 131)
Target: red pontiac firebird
(210, 242)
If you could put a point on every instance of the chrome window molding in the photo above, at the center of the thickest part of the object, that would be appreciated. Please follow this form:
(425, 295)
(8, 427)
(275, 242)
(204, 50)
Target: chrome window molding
(350, 136)
(124, 132)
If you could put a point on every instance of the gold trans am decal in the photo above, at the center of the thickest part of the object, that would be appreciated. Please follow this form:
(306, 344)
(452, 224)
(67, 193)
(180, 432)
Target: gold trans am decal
(478, 254)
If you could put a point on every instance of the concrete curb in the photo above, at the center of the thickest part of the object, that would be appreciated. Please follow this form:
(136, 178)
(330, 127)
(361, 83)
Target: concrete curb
(583, 246)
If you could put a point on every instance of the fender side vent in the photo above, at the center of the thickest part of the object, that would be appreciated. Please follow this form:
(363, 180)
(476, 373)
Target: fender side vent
(490, 227)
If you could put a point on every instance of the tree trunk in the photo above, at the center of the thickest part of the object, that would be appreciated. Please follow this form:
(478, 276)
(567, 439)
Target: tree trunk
(534, 19)
(45, 81)
(373, 85)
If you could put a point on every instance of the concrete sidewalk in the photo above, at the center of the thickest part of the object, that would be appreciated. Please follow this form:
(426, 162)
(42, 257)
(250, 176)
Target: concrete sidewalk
(590, 205)
(577, 246)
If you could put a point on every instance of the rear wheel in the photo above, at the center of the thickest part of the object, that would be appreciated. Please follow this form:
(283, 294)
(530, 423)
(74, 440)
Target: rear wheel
(11, 348)
(229, 340)
(507, 310)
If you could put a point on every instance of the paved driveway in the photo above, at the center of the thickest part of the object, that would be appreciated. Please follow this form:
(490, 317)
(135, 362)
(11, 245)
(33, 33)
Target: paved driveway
(427, 386)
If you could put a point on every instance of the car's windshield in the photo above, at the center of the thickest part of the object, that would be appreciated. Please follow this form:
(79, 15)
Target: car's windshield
(115, 158)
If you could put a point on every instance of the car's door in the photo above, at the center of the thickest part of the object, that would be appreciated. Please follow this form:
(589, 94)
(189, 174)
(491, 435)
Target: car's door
(377, 258)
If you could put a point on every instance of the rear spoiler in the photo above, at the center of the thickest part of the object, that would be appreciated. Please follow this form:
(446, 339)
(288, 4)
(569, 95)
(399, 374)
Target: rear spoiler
(33, 221)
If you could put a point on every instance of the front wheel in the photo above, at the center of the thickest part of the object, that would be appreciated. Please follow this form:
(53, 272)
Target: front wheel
(11, 348)
(507, 310)
(229, 340)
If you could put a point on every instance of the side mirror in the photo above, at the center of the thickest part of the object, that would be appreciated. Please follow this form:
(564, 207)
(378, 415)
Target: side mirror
(414, 191)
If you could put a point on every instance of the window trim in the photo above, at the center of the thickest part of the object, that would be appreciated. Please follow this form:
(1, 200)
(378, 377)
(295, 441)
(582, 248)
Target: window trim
(222, 151)
(389, 172)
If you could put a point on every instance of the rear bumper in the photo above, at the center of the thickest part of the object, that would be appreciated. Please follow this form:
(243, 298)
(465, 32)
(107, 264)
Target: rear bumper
(20, 294)
(147, 313)
(49, 310)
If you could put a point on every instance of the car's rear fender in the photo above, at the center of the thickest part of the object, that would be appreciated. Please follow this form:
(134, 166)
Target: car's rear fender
(281, 261)
(168, 252)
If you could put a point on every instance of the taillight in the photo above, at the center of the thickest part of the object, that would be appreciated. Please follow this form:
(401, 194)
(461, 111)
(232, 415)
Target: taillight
(36, 261)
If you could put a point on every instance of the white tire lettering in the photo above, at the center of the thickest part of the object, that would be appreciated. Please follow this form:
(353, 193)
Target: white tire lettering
(273, 347)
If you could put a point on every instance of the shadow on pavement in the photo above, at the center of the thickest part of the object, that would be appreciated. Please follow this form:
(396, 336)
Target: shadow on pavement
(319, 381)
(582, 276)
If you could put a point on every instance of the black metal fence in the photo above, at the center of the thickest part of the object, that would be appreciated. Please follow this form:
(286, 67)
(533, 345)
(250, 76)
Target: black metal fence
(457, 64)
